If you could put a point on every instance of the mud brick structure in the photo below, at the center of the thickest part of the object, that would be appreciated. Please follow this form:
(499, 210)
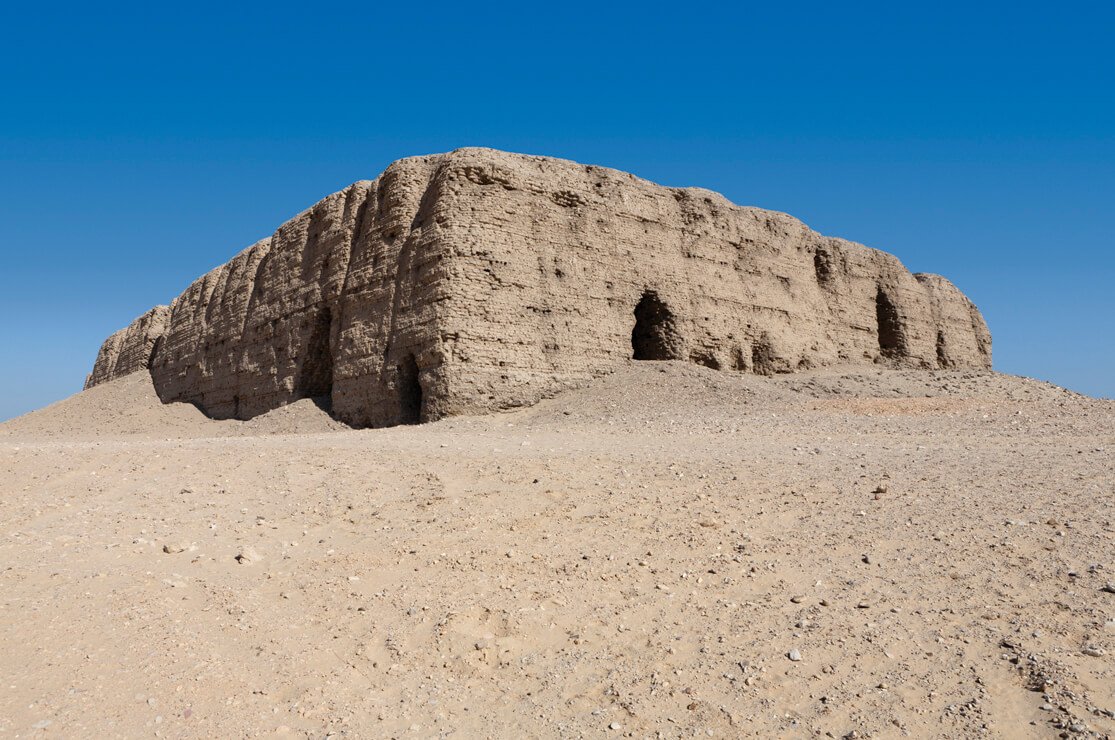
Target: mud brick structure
(480, 280)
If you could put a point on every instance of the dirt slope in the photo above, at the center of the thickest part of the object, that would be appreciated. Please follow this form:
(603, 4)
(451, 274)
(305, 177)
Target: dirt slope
(128, 407)
(669, 551)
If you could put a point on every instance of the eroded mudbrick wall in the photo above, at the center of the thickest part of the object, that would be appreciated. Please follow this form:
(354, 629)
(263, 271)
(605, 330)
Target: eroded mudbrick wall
(130, 349)
(480, 280)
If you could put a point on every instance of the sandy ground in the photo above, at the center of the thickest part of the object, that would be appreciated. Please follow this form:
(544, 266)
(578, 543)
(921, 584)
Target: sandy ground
(670, 552)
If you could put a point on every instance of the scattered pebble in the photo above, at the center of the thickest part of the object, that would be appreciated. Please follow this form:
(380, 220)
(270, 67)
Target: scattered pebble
(248, 555)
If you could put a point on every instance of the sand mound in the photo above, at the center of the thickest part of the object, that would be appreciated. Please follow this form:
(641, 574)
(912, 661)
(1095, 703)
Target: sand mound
(982, 385)
(125, 406)
(646, 393)
(300, 417)
(129, 406)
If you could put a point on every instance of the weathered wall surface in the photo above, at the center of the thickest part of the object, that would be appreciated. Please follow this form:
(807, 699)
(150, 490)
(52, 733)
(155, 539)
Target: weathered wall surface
(551, 258)
(335, 303)
(478, 280)
(131, 349)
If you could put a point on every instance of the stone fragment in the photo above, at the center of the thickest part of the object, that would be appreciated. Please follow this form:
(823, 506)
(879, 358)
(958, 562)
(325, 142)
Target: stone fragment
(248, 556)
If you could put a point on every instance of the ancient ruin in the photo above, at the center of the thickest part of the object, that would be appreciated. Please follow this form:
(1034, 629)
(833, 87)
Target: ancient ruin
(480, 280)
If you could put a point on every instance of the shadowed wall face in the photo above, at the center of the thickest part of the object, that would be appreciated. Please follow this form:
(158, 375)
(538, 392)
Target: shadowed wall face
(481, 280)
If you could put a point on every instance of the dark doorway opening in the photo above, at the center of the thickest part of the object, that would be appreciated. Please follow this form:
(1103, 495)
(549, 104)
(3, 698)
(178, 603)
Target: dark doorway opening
(762, 356)
(892, 338)
(315, 378)
(655, 334)
(410, 392)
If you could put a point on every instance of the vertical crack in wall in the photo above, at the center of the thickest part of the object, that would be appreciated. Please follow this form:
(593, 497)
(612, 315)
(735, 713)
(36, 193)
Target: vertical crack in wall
(943, 360)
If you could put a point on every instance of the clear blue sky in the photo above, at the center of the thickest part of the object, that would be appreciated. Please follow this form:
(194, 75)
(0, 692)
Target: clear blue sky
(141, 145)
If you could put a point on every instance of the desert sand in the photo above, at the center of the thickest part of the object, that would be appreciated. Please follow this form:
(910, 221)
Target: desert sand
(668, 551)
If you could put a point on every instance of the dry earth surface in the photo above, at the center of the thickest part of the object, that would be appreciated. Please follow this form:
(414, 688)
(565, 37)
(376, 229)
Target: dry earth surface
(668, 552)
